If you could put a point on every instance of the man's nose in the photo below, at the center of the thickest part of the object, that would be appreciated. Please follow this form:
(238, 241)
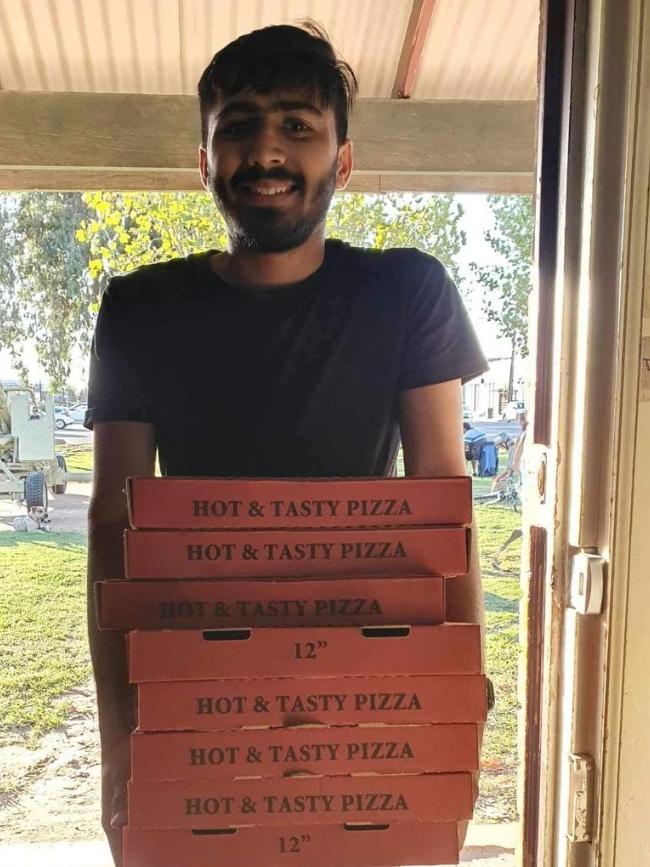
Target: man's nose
(266, 147)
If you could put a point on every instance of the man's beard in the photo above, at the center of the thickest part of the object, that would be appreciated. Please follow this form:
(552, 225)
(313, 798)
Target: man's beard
(271, 230)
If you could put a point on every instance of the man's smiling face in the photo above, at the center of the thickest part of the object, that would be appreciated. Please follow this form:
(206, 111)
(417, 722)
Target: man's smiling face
(272, 163)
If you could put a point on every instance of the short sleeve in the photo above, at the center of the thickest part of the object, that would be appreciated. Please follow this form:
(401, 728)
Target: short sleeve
(116, 382)
(441, 343)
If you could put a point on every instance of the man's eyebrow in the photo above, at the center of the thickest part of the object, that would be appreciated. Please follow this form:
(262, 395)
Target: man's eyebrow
(295, 105)
(278, 105)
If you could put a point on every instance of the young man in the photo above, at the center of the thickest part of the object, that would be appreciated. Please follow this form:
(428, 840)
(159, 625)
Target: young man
(316, 356)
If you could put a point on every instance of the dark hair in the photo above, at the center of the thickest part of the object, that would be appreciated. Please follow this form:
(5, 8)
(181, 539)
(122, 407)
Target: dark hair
(279, 57)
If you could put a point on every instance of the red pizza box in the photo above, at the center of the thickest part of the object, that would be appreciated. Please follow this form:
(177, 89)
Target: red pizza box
(285, 701)
(351, 845)
(451, 648)
(301, 800)
(328, 750)
(179, 503)
(320, 553)
(257, 602)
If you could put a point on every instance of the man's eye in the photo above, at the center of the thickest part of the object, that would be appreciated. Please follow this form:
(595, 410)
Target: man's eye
(235, 128)
(297, 125)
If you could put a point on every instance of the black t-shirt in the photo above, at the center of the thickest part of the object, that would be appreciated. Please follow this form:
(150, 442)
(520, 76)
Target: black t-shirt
(302, 380)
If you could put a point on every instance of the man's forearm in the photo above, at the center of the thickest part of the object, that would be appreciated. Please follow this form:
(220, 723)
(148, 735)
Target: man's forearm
(465, 602)
(115, 696)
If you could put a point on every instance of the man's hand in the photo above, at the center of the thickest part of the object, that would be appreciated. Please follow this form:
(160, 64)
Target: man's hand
(116, 771)
(121, 449)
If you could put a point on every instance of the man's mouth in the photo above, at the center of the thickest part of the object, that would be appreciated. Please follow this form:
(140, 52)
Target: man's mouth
(268, 190)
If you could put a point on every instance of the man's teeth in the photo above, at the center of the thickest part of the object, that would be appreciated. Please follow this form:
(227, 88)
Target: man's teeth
(274, 191)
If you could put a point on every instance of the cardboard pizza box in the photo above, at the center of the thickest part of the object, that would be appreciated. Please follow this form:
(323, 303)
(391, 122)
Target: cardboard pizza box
(207, 604)
(164, 655)
(285, 701)
(191, 503)
(320, 553)
(351, 845)
(328, 750)
(301, 800)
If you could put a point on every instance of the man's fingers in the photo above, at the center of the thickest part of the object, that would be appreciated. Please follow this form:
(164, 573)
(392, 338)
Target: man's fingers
(118, 808)
(119, 819)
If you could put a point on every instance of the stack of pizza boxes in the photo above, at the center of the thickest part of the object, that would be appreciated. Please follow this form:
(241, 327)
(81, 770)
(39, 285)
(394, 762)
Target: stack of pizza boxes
(300, 698)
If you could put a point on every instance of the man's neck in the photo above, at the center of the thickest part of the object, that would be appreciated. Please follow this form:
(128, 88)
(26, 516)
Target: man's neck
(265, 270)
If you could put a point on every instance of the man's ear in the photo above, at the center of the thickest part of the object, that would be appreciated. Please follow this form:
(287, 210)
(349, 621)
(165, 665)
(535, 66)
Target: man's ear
(203, 166)
(344, 165)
